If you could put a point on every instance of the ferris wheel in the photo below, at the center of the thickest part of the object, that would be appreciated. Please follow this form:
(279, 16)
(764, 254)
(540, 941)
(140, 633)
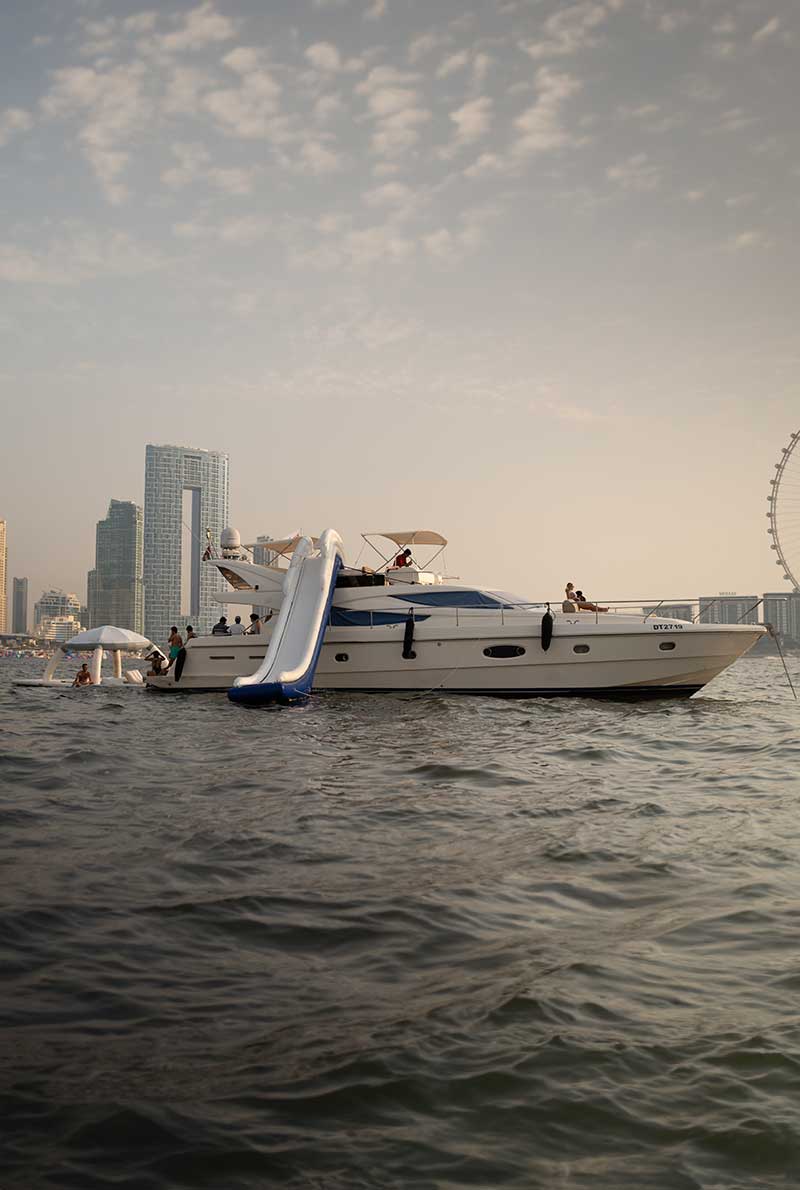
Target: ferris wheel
(784, 511)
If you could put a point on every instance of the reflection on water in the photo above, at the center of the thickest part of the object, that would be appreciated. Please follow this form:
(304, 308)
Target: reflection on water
(400, 942)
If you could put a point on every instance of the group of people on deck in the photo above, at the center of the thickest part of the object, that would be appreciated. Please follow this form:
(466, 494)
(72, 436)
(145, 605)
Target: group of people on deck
(576, 601)
(176, 642)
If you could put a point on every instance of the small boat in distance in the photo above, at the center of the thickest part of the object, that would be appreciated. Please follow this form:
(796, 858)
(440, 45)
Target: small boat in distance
(403, 627)
(97, 641)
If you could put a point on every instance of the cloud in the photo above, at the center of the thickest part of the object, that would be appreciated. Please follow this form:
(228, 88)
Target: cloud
(747, 240)
(327, 107)
(375, 11)
(452, 63)
(79, 255)
(472, 120)
(539, 128)
(194, 165)
(399, 201)
(240, 230)
(735, 201)
(423, 45)
(115, 106)
(356, 250)
(485, 165)
(324, 56)
(245, 111)
(14, 120)
(316, 158)
(568, 31)
(394, 106)
(636, 173)
(198, 28)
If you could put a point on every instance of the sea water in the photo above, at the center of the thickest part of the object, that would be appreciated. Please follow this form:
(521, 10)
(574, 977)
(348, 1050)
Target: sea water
(382, 941)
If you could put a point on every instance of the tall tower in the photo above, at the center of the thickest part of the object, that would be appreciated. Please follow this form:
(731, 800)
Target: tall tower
(19, 619)
(3, 564)
(185, 497)
(116, 589)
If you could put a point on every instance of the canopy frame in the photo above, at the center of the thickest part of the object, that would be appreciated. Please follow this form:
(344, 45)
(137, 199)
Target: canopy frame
(408, 537)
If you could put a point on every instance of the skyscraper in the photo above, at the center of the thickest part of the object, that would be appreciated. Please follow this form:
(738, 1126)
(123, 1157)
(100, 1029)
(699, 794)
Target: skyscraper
(3, 561)
(56, 615)
(116, 589)
(729, 608)
(19, 619)
(185, 497)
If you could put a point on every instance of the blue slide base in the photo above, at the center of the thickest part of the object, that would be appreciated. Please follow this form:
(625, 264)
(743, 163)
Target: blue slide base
(270, 692)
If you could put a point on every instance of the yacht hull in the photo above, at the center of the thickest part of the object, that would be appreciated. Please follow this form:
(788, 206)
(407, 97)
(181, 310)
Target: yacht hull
(582, 661)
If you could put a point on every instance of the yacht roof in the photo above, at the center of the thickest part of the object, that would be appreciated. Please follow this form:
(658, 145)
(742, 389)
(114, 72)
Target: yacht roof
(412, 537)
(286, 545)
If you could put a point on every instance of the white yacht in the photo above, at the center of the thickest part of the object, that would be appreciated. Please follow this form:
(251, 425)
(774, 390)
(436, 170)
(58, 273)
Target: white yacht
(408, 628)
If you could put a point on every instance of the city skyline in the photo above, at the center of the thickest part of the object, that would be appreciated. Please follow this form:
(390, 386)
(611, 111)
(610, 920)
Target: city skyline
(473, 268)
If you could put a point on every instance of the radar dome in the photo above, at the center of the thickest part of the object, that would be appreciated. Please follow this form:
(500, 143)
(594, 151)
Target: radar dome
(230, 539)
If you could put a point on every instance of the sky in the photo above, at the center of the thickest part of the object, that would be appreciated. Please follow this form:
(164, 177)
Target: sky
(520, 271)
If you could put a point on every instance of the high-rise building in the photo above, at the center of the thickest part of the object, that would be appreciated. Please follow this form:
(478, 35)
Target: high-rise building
(185, 506)
(729, 608)
(19, 615)
(116, 588)
(782, 611)
(262, 556)
(3, 564)
(55, 613)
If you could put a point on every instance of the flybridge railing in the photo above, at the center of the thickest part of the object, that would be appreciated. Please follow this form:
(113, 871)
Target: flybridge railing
(593, 611)
(462, 616)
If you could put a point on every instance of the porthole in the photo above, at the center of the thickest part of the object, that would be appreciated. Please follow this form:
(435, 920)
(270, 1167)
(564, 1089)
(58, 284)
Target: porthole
(342, 656)
(666, 645)
(580, 648)
(504, 651)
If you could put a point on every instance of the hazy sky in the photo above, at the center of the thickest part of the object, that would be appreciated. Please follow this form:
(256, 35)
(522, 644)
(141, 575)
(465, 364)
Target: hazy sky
(525, 272)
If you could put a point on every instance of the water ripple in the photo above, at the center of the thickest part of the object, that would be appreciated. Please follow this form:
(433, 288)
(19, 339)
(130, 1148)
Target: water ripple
(401, 943)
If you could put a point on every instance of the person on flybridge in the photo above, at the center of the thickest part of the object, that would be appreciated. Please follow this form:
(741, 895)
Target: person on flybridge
(403, 559)
(575, 601)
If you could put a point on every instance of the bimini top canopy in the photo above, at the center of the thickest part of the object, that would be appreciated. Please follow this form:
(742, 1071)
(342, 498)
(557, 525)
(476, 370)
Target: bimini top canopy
(412, 537)
(286, 545)
(108, 637)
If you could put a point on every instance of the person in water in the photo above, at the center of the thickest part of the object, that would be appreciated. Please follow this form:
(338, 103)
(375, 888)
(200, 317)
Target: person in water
(83, 677)
(255, 624)
(175, 643)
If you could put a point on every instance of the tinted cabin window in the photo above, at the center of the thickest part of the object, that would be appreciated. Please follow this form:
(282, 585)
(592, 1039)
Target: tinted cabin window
(666, 645)
(504, 651)
(580, 648)
(342, 656)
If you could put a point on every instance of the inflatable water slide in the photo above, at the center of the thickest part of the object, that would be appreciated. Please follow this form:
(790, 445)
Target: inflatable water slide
(287, 671)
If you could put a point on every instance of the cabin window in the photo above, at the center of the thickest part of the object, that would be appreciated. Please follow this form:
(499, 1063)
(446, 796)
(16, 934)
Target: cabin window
(222, 657)
(504, 651)
(458, 598)
(342, 656)
(580, 648)
(666, 645)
